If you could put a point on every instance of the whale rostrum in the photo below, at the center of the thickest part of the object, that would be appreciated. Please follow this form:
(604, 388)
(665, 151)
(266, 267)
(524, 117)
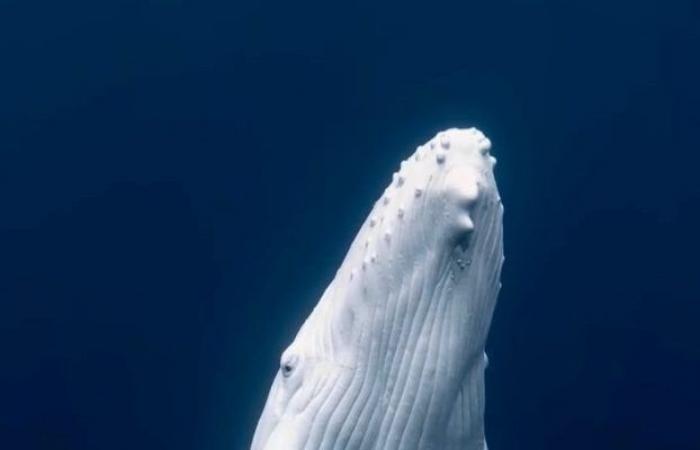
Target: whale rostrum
(392, 356)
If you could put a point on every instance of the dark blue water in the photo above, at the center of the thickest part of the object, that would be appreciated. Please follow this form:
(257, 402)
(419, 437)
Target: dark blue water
(179, 180)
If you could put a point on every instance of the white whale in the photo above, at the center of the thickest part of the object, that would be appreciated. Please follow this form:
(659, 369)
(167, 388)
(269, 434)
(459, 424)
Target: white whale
(392, 357)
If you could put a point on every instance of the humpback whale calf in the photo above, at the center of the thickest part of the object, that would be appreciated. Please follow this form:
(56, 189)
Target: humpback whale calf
(392, 356)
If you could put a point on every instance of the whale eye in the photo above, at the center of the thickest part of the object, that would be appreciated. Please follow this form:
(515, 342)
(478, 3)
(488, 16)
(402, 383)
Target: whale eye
(288, 365)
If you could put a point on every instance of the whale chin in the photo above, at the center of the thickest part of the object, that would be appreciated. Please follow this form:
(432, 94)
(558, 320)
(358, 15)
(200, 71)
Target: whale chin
(392, 356)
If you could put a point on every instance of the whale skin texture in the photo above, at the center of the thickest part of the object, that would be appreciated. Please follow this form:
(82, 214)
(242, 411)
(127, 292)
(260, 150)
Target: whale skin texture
(392, 356)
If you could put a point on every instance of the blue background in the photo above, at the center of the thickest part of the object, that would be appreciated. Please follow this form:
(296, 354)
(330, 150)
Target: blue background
(179, 180)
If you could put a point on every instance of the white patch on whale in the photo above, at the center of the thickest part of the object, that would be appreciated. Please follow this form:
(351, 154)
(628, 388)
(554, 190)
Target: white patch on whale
(392, 356)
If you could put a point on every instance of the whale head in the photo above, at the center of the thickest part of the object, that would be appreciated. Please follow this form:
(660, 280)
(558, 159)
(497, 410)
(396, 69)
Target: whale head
(392, 356)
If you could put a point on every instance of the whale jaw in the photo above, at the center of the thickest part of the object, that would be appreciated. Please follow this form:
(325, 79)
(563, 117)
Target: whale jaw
(392, 355)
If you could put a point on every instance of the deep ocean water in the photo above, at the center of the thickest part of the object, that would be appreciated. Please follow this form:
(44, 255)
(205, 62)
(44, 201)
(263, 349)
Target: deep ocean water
(180, 180)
